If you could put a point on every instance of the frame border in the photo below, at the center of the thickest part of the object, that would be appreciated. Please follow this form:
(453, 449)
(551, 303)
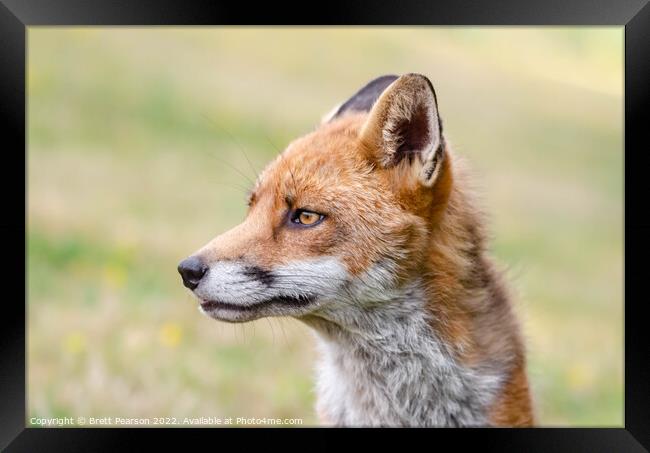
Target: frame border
(634, 15)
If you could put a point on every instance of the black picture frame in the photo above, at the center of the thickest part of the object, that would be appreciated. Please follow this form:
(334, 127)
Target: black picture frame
(17, 15)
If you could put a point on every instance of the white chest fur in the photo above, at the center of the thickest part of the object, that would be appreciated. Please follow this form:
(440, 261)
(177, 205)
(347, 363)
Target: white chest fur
(384, 366)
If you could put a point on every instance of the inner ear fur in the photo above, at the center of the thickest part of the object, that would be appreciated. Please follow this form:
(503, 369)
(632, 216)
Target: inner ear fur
(404, 125)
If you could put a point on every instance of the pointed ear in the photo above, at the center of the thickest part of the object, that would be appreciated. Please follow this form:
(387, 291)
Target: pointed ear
(404, 125)
(362, 100)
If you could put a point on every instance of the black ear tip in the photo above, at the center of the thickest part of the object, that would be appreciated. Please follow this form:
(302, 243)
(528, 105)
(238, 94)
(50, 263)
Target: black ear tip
(364, 99)
(384, 80)
(377, 86)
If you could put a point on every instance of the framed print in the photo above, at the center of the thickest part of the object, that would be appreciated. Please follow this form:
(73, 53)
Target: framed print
(408, 216)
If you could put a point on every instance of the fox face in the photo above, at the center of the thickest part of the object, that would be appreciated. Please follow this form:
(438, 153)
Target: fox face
(340, 218)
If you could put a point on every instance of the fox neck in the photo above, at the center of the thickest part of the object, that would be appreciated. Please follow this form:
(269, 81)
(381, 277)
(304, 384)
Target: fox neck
(385, 365)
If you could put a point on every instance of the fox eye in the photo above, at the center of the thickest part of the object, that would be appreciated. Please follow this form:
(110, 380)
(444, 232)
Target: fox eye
(306, 218)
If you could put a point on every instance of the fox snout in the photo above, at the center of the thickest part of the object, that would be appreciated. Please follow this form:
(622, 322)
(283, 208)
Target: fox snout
(237, 290)
(193, 270)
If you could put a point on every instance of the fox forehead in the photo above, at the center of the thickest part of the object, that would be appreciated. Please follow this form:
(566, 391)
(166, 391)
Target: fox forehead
(319, 166)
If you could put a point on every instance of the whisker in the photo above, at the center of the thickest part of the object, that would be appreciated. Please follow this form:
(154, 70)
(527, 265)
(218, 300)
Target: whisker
(284, 334)
(273, 145)
(232, 138)
(289, 277)
(236, 330)
(252, 324)
(309, 274)
(268, 320)
(239, 187)
(214, 156)
(293, 178)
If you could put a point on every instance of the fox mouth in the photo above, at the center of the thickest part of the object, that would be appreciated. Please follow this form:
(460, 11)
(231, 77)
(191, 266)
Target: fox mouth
(280, 303)
(237, 291)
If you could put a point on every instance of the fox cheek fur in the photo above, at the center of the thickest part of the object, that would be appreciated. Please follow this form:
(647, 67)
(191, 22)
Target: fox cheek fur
(414, 323)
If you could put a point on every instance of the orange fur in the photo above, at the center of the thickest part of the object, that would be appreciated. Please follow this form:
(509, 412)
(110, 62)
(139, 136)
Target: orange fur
(513, 407)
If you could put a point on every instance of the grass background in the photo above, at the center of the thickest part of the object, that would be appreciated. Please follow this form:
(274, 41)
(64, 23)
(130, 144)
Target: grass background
(135, 160)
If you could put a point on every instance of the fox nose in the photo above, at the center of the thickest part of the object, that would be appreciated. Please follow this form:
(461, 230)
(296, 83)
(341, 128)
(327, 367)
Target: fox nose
(192, 271)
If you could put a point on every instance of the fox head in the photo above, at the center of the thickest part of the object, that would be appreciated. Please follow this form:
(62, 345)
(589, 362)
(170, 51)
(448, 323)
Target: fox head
(341, 217)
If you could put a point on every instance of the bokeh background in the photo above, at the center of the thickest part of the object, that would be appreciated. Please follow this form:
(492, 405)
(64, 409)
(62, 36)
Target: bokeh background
(138, 149)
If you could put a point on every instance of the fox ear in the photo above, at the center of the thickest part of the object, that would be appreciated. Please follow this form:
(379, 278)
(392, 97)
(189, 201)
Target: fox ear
(404, 124)
(362, 100)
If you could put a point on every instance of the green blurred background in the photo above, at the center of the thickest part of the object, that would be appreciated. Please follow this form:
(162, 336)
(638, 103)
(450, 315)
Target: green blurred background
(137, 156)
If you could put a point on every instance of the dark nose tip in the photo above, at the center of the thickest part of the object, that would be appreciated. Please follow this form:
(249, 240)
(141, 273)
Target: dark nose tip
(192, 270)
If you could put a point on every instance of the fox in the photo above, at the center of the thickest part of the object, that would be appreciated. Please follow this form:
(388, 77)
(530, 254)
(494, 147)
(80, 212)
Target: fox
(367, 230)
